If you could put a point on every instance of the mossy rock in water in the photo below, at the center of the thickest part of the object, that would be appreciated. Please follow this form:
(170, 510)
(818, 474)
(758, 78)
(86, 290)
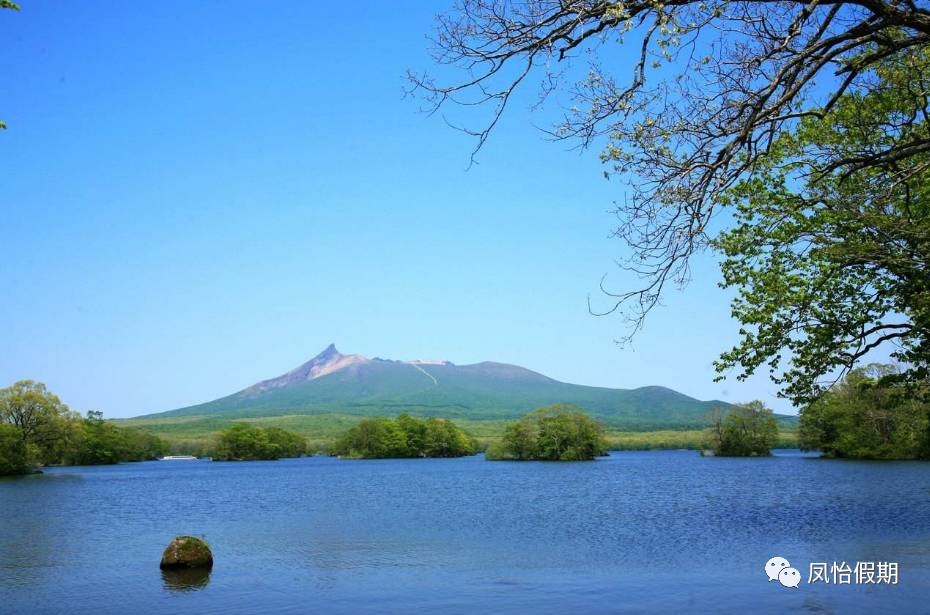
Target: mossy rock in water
(187, 552)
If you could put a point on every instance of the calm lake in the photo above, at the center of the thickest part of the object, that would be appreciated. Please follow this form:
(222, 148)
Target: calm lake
(637, 531)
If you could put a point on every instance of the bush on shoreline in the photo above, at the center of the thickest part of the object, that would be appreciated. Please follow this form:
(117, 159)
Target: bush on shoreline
(36, 429)
(869, 415)
(99, 442)
(14, 458)
(404, 437)
(561, 432)
(749, 430)
(247, 442)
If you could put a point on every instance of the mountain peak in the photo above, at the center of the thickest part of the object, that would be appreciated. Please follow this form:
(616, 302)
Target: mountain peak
(332, 383)
(328, 361)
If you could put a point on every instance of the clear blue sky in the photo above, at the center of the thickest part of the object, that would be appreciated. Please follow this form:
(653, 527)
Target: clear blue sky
(199, 195)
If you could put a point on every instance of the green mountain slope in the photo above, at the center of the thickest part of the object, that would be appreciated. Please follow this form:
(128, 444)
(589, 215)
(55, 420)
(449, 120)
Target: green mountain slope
(335, 384)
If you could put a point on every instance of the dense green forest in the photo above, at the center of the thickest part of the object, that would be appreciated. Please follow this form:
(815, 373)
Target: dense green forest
(870, 414)
(36, 428)
(748, 430)
(561, 432)
(404, 437)
(102, 442)
(245, 442)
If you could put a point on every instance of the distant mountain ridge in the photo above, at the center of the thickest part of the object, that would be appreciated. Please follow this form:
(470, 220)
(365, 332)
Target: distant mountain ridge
(351, 384)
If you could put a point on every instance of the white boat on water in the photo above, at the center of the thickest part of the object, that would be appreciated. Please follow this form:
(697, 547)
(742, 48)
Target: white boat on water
(178, 458)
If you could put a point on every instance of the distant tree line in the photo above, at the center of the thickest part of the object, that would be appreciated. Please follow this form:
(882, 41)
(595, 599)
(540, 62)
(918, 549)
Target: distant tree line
(561, 432)
(36, 429)
(404, 437)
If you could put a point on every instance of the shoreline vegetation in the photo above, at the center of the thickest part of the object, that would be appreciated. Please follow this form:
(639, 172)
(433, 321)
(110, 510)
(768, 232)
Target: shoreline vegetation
(749, 430)
(561, 432)
(869, 414)
(874, 412)
(37, 429)
(245, 442)
(405, 437)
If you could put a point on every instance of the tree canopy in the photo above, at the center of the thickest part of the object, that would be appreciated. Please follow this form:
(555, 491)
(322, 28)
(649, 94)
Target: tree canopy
(102, 442)
(755, 103)
(37, 428)
(869, 415)
(44, 424)
(247, 442)
(14, 456)
(831, 262)
(748, 430)
(404, 437)
(561, 432)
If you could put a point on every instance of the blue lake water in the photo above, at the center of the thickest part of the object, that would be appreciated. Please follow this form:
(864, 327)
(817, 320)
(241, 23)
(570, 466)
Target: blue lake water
(635, 532)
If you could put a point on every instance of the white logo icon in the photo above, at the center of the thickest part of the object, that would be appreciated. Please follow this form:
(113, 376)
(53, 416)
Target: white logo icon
(789, 577)
(774, 566)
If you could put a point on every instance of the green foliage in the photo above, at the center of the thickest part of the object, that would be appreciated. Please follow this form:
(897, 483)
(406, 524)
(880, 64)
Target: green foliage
(191, 435)
(832, 242)
(46, 425)
(561, 432)
(14, 457)
(102, 442)
(443, 438)
(868, 415)
(246, 442)
(404, 437)
(50, 433)
(288, 443)
(749, 430)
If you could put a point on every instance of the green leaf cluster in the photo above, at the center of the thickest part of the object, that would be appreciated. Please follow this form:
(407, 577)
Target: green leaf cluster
(561, 432)
(14, 457)
(404, 437)
(100, 442)
(868, 415)
(45, 427)
(247, 442)
(748, 430)
(36, 428)
(831, 246)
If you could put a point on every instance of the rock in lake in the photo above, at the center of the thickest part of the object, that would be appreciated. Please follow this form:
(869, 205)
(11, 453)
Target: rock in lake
(187, 552)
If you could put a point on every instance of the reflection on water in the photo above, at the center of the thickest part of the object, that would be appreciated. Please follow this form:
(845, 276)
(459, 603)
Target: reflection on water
(635, 532)
(185, 579)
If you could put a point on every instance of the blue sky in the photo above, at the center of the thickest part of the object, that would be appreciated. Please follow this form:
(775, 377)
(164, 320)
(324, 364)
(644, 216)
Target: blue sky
(200, 195)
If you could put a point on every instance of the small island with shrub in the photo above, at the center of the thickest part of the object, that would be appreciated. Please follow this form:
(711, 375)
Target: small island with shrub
(247, 442)
(561, 432)
(404, 437)
(748, 430)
